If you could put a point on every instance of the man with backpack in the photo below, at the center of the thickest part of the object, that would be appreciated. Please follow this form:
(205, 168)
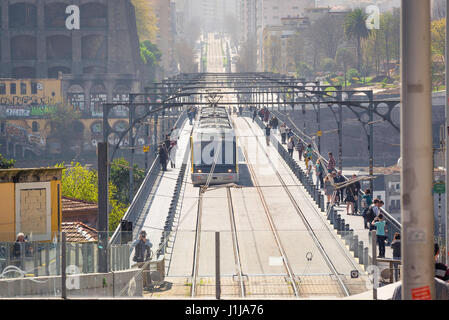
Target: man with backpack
(370, 214)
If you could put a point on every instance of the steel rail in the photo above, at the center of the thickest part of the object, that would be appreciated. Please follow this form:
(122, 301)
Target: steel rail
(285, 261)
(235, 243)
(305, 221)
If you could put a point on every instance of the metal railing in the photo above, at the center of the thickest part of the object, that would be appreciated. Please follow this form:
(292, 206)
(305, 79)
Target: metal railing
(392, 225)
(37, 259)
(141, 197)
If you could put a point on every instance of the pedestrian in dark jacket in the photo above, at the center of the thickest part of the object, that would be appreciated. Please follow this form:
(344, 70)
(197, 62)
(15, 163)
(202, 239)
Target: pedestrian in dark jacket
(254, 114)
(396, 246)
(163, 156)
(300, 148)
(267, 134)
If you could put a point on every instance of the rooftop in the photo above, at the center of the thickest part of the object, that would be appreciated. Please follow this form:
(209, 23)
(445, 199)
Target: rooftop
(79, 232)
(76, 205)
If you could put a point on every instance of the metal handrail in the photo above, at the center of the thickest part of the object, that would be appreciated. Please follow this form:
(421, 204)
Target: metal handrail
(388, 217)
(140, 197)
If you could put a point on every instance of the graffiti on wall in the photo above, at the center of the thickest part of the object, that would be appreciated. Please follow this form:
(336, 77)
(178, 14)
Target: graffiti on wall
(27, 100)
(26, 111)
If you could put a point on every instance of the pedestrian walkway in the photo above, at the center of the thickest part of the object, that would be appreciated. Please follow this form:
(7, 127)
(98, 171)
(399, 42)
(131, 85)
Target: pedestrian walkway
(157, 206)
(355, 222)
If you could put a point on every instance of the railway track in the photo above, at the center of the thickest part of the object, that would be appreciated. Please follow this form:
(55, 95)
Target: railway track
(301, 214)
(238, 263)
(285, 261)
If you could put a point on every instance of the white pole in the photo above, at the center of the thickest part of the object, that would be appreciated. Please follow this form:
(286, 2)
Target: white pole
(416, 152)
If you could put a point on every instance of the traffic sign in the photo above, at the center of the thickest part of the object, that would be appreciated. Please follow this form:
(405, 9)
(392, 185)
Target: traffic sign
(146, 149)
(319, 133)
(439, 187)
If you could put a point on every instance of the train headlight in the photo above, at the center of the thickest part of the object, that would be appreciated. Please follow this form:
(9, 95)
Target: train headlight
(200, 171)
(229, 170)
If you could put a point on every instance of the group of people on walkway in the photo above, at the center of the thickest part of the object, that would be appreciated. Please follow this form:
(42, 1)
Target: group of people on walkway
(168, 149)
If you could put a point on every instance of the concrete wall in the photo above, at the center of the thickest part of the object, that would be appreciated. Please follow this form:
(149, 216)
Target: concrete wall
(120, 284)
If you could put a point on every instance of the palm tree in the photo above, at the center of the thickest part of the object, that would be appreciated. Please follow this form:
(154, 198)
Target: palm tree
(355, 28)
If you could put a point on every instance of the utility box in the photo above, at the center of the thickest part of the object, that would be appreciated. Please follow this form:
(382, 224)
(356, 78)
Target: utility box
(30, 203)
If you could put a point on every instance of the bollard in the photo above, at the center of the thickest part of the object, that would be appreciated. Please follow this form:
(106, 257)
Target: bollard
(337, 222)
(365, 258)
(355, 245)
(331, 216)
(361, 252)
(342, 226)
(349, 237)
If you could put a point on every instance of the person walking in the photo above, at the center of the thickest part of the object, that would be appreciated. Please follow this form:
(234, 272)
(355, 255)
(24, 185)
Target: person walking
(329, 190)
(366, 202)
(341, 191)
(308, 154)
(396, 247)
(331, 164)
(350, 198)
(441, 270)
(309, 170)
(291, 146)
(370, 215)
(267, 134)
(274, 123)
(254, 114)
(266, 115)
(319, 174)
(290, 134)
(172, 153)
(300, 148)
(356, 190)
(283, 131)
(163, 156)
(379, 223)
(142, 253)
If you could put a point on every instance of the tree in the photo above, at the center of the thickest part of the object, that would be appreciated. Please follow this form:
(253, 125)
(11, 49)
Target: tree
(146, 20)
(326, 34)
(119, 177)
(387, 26)
(438, 30)
(355, 28)
(151, 57)
(81, 183)
(345, 58)
(6, 163)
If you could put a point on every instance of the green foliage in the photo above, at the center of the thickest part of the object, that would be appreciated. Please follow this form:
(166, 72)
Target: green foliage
(150, 53)
(328, 65)
(119, 177)
(355, 28)
(81, 183)
(353, 75)
(6, 163)
(304, 70)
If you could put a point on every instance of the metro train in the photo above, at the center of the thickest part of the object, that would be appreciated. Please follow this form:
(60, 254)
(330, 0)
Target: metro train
(214, 158)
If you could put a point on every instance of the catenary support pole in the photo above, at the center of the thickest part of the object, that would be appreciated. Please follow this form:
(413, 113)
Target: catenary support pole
(416, 152)
(103, 219)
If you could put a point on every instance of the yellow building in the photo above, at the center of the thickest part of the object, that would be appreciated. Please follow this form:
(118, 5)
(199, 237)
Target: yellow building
(30, 203)
(35, 92)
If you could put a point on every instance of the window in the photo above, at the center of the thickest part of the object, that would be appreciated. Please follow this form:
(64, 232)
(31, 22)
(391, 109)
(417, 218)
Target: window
(12, 88)
(397, 186)
(35, 126)
(23, 88)
(33, 88)
(2, 88)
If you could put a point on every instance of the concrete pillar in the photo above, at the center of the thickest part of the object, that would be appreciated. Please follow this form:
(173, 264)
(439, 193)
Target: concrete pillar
(416, 152)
